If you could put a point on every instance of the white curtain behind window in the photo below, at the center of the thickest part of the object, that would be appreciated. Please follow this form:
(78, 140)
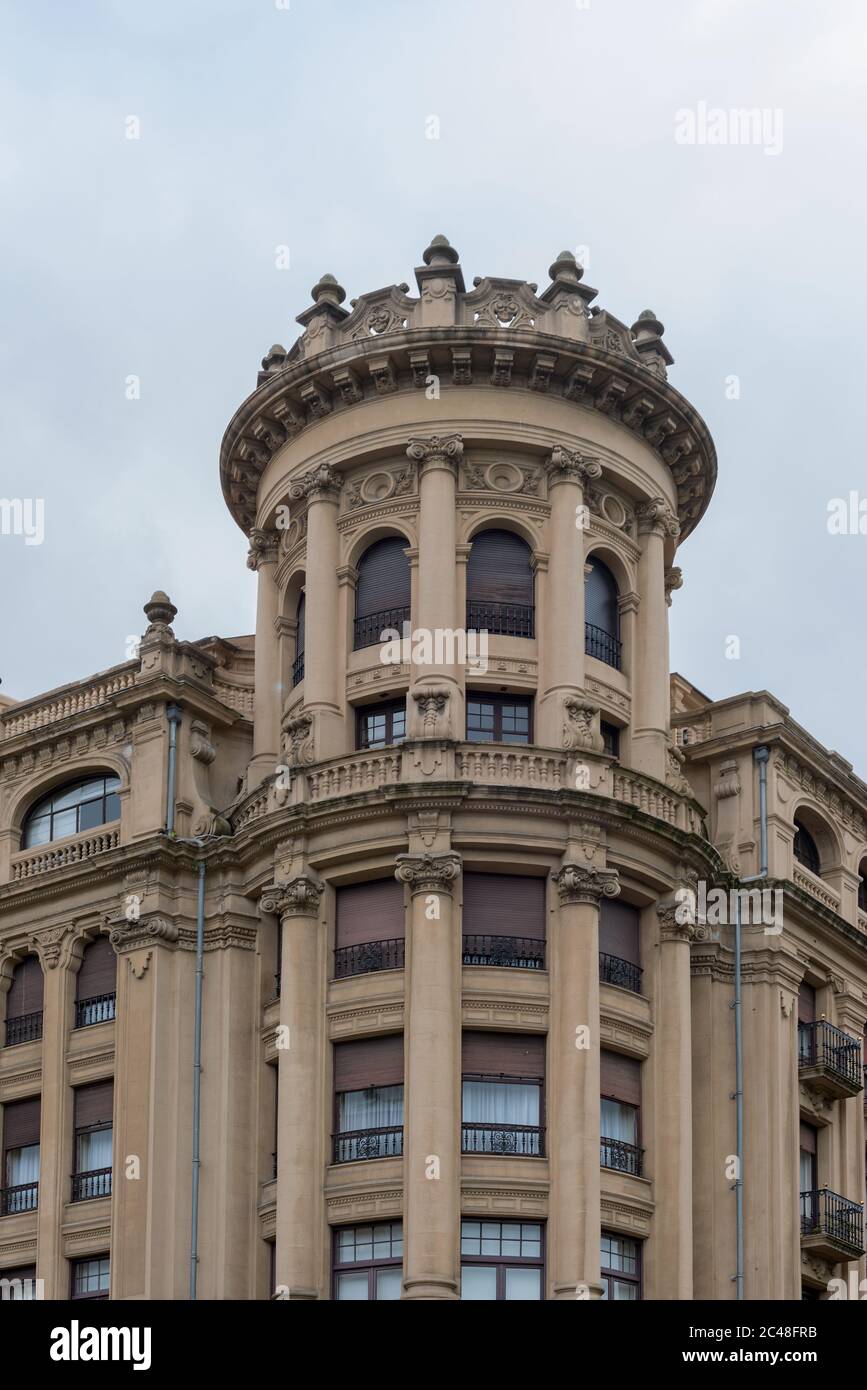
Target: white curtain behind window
(377, 1107)
(22, 1166)
(500, 1103)
(619, 1122)
(94, 1151)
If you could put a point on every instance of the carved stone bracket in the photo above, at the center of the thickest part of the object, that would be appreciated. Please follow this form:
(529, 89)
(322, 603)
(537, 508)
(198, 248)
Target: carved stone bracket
(673, 581)
(428, 873)
(298, 737)
(581, 728)
(568, 465)
(674, 777)
(299, 897)
(580, 883)
(127, 935)
(49, 945)
(432, 702)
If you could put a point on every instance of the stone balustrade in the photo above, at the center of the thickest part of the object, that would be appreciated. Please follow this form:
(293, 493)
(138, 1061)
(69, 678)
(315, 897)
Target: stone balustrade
(60, 854)
(31, 715)
(802, 878)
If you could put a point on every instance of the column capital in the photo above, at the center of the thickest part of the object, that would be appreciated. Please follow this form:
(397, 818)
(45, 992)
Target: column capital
(51, 945)
(569, 466)
(436, 451)
(655, 517)
(264, 548)
(677, 921)
(428, 873)
(322, 483)
(585, 883)
(298, 897)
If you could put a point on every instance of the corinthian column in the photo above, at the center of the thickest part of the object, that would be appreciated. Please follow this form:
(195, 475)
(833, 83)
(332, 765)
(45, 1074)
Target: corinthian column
(561, 650)
(268, 693)
(649, 660)
(325, 644)
(52, 945)
(300, 1156)
(432, 1079)
(438, 458)
(574, 1102)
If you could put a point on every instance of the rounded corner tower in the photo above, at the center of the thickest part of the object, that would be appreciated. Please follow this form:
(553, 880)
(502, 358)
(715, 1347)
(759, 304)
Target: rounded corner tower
(463, 798)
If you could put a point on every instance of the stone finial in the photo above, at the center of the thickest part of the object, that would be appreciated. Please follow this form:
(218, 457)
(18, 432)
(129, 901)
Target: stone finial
(566, 267)
(647, 333)
(328, 289)
(440, 252)
(160, 613)
(274, 358)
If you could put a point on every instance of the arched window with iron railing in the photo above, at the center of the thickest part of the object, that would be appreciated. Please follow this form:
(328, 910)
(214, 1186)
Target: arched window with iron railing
(805, 849)
(298, 663)
(500, 589)
(602, 614)
(382, 599)
(72, 809)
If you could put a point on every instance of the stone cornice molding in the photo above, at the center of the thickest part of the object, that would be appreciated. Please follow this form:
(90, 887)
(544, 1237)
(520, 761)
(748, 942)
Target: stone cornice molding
(656, 517)
(582, 883)
(321, 484)
(428, 873)
(264, 548)
(569, 466)
(298, 897)
(436, 451)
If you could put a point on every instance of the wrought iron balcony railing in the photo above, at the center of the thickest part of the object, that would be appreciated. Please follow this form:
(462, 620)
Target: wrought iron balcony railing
(523, 1141)
(25, 1028)
(354, 1145)
(838, 1220)
(298, 669)
(23, 1197)
(505, 619)
(98, 1009)
(602, 645)
(369, 629)
(96, 1183)
(624, 1158)
(824, 1048)
(369, 956)
(614, 971)
(513, 952)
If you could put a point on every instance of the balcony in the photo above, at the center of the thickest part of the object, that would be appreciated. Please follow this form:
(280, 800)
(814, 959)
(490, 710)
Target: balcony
(25, 1028)
(600, 644)
(511, 952)
(501, 619)
(614, 971)
(831, 1226)
(14, 1200)
(354, 1145)
(829, 1060)
(98, 1009)
(298, 670)
(369, 629)
(87, 1187)
(513, 1141)
(369, 957)
(623, 1158)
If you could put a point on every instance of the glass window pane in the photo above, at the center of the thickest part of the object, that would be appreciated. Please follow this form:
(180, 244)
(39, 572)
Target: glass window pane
(82, 791)
(91, 813)
(471, 1233)
(353, 1287)
(478, 1283)
(523, 1284)
(388, 1283)
(65, 823)
(112, 808)
(38, 832)
(625, 1293)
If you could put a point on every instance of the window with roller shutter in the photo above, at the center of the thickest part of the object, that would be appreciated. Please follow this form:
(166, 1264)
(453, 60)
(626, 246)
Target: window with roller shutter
(620, 1113)
(370, 930)
(92, 1109)
(619, 945)
(24, 1003)
(368, 1099)
(21, 1123)
(504, 920)
(382, 597)
(95, 984)
(502, 1094)
(500, 587)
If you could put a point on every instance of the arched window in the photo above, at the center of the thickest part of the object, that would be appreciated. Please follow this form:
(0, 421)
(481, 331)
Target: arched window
(383, 596)
(862, 886)
(500, 585)
(602, 614)
(72, 809)
(298, 663)
(805, 848)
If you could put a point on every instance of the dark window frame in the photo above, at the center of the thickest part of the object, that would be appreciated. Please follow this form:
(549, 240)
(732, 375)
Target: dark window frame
(508, 1080)
(610, 738)
(36, 813)
(504, 1262)
(499, 700)
(338, 1133)
(609, 1275)
(805, 850)
(101, 1295)
(369, 1267)
(390, 708)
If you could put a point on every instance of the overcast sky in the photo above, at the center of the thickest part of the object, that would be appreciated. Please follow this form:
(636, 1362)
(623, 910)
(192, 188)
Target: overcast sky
(305, 123)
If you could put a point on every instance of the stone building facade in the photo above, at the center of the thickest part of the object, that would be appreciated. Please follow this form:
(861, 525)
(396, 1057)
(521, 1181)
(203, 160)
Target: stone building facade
(451, 905)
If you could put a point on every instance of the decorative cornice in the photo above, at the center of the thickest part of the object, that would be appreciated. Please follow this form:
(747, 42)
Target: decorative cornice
(428, 873)
(580, 883)
(299, 897)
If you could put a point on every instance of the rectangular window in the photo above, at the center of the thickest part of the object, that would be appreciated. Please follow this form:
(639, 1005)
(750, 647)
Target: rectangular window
(381, 726)
(504, 920)
(809, 1149)
(370, 928)
(620, 1085)
(501, 1261)
(91, 1278)
(502, 1094)
(93, 1141)
(95, 984)
(621, 1268)
(498, 718)
(610, 739)
(368, 1262)
(20, 1178)
(24, 1003)
(368, 1099)
(619, 948)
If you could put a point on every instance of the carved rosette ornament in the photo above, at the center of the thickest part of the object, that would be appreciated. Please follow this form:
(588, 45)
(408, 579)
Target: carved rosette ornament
(299, 897)
(321, 483)
(568, 465)
(437, 451)
(428, 873)
(264, 547)
(656, 517)
(580, 883)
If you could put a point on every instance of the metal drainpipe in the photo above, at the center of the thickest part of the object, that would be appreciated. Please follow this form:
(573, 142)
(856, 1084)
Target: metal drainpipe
(173, 714)
(760, 756)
